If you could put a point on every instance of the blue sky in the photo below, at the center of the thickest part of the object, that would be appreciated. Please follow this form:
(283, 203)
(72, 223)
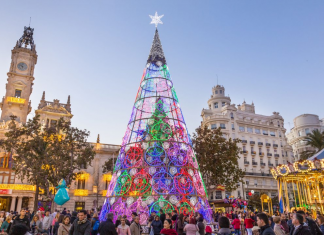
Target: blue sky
(268, 52)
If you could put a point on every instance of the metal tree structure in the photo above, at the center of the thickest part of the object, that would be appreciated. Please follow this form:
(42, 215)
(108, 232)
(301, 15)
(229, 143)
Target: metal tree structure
(156, 167)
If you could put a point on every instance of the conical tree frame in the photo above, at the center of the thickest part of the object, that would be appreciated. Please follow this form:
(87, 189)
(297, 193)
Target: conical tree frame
(156, 167)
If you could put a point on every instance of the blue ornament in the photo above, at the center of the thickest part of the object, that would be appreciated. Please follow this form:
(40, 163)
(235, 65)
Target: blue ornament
(62, 195)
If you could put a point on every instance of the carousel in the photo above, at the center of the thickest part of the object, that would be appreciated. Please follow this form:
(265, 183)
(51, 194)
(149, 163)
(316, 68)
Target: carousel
(301, 184)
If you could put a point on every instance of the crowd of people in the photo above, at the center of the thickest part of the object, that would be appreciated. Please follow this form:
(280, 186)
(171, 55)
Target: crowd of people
(87, 223)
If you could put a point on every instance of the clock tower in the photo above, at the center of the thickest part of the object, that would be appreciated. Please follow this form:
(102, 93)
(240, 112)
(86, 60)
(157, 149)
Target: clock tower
(20, 78)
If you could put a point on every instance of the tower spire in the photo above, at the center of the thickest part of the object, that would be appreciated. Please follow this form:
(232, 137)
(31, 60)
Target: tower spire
(43, 96)
(156, 52)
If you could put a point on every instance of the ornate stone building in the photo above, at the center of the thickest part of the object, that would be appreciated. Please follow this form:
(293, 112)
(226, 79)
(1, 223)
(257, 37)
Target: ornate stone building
(263, 145)
(89, 189)
(303, 124)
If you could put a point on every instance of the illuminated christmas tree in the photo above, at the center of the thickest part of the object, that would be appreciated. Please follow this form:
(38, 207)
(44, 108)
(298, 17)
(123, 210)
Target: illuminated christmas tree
(156, 167)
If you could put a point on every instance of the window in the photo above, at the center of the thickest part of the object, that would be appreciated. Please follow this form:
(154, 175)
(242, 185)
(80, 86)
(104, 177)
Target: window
(272, 133)
(216, 92)
(222, 126)
(241, 128)
(276, 162)
(253, 160)
(81, 183)
(252, 149)
(244, 148)
(232, 115)
(299, 133)
(247, 182)
(213, 126)
(220, 91)
(53, 123)
(257, 131)
(274, 142)
(212, 196)
(307, 131)
(216, 105)
(238, 193)
(228, 193)
(250, 130)
(79, 206)
(263, 182)
(261, 160)
(283, 161)
(265, 132)
(255, 182)
(245, 159)
(233, 136)
(273, 194)
(260, 150)
(223, 104)
(209, 106)
(17, 93)
(233, 128)
(279, 133)
(218, 195)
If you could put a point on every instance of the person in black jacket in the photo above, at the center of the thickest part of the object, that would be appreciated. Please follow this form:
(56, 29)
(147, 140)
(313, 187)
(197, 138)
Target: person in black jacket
(21, 219)
(299, 227)
(74, 216)
(157, 225)
(82, 225)
(162, 216)
(312, 226)
(263, 223)
(108, 227)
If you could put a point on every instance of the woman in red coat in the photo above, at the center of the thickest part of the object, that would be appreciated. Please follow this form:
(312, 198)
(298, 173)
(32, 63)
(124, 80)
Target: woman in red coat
(237, 225)
(248, 222)
(167, 230)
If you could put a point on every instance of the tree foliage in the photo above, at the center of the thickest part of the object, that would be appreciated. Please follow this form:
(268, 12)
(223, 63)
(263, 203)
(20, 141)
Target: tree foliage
(217, 158)
(315, 139)
(45, 155)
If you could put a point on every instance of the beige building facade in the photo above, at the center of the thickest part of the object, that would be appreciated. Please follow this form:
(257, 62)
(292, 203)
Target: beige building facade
(303, 124)
(263, 145)
(89, 190)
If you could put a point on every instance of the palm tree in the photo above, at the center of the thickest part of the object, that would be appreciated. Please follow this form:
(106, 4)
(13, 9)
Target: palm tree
(314, 140)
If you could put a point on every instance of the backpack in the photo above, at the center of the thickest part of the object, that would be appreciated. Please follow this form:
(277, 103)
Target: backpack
(96, 225)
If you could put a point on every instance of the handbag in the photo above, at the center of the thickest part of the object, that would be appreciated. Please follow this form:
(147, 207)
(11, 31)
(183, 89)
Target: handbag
(152, 231)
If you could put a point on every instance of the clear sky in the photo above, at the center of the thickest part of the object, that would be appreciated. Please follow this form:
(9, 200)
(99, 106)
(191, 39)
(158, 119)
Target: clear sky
(270, 52)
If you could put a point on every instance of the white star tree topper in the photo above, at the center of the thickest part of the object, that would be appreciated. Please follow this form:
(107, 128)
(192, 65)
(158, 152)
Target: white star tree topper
(156, 19)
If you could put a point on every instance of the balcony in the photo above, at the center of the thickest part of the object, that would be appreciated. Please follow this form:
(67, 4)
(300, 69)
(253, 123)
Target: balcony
(253, 153)
(270, 164)
(81, 192)
(254, 163)
(275, 145)
(252, 142)
(261, 154)
(244, 141)
(268, 145)
(276, 155)
(260, 143)
(16, 100)
(245, 152)
(246, 163)
(262, 164)
(269, 154)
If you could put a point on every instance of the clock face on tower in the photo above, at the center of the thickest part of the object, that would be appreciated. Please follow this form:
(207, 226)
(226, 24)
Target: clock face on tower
(22, 66)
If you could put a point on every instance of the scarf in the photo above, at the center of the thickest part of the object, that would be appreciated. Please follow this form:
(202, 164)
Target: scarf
(82, 221)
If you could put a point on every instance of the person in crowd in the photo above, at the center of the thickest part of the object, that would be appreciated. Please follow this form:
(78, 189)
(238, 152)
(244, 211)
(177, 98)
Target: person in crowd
(168, 216)
(82, 225)
(167, 228)
(47, 222)
(56, 218)
(185, 222)
(299, 227)
(248, 222)
(208, 231)
(191, 228)
(19, 229)
(289, 222)
(2, 217)
(123, 228)
(201, 226)
(117, 223)
(134, 214)
(271, 223)
(126, 220)
(320, 222)
(64, 211)
(180, 225)
(237, 225)
(156, 225)
(5, 225)
(312, 226)
(283, 223)
(108, 227)
(36, 225)
(224, 226)
(278, 229)
(263, 223)
(68, 213)
(135, 227)
(57, 224)
(65, 226)
(95, 224)
(174, 218)
(152, 217)
(162, 216)
(74, 216)
(21, 219)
